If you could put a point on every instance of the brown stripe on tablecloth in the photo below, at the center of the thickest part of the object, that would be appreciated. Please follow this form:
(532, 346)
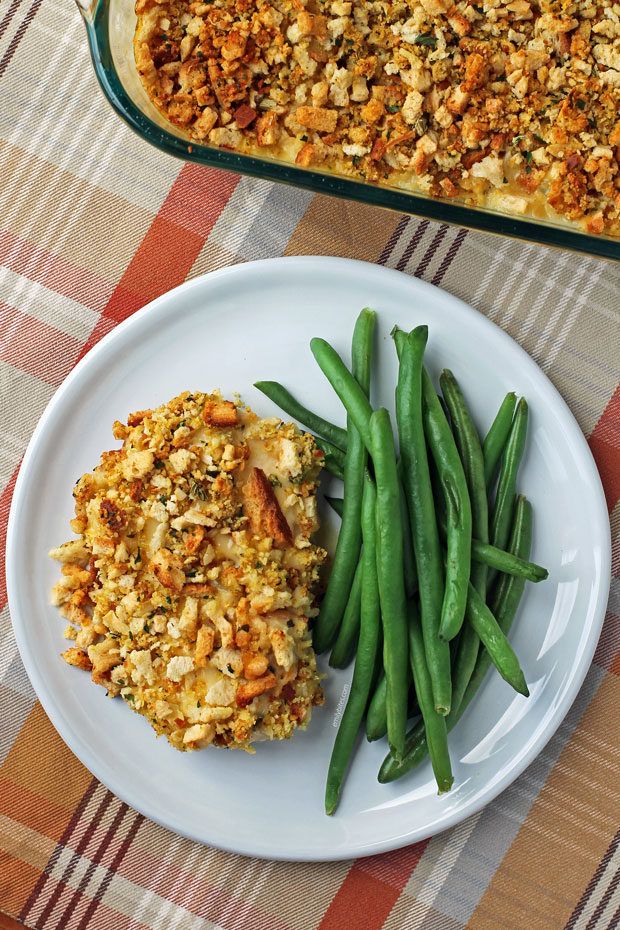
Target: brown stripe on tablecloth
(76, 853)
(94, 860)
(602, 904)
(64, 839)
(412, 245)
(596, 877)
(19, 35)
(572, 820)
(111, 870)
(8, 16)
(428, 255)
(449, 257)
(338, 227)
(391, 243)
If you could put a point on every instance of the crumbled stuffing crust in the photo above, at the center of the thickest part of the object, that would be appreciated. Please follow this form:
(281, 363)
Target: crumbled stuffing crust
(190, 585)
(508, 104)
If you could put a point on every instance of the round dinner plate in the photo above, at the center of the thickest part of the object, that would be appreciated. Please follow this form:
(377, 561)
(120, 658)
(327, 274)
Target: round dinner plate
(231, 328)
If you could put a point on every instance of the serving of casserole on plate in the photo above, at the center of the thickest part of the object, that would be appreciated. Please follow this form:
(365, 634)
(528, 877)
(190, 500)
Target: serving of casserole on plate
(503, 103)
(189, 588)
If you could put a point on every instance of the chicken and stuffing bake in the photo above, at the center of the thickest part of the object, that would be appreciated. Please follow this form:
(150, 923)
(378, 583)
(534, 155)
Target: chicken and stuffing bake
(190, 586)
(510, 104)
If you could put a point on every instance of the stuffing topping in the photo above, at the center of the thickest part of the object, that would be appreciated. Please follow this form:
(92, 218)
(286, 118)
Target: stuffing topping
(414, 95)
(189, 590)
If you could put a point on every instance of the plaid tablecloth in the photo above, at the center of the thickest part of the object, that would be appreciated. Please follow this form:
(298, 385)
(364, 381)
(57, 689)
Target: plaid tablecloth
(93, 225)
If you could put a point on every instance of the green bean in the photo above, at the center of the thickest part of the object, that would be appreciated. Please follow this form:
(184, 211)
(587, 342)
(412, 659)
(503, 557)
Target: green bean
(344, 647)
(366, 653)
(376, 715)
(411, 576)
(285, 400)
(458, 509)
(506, 562)
(434, 724)
(361, 350)
(390, 575)
(505, 602)
(346, 387)
(470, 451)
(496, 558)
(350, 536)
(501, 652)
(399, 336)
(501, 518)
(508, 590)
(497, 437)
(334, 457)
(336, 504)
(419, 493)
(409, 566)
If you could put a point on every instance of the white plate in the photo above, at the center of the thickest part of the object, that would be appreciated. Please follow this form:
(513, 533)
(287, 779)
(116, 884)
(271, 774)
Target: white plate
(227, 330)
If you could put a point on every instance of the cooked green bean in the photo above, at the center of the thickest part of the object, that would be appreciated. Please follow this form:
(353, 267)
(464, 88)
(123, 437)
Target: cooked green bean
(390, 575)
(434, 723)
(366, 653)
(336, 504)
(508, 590)
(350, 536)
(504, 603)
(411, 575)
(361, 349)
(409, 566)
(334, 457)
(399, 336)
(346, 387)
(419, 494)
(506, 562)
(501, 652)
(285, 400)
(376, 715)
(497, 437)
(501, 518)
(470, 451)
(499, 559)
(458, 508)
(344, 647)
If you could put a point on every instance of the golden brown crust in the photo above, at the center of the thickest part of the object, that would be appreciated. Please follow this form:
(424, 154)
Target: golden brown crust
(452, 99)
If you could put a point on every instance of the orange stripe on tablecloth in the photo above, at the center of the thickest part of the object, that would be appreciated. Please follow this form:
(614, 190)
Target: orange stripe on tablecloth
(605, 445)
(172, 244)
(371, 889)
(54, 272)
(35, 347)
(17, 879)
(33, 811)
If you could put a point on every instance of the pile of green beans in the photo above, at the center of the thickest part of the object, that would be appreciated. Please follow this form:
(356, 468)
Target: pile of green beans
(427, 606)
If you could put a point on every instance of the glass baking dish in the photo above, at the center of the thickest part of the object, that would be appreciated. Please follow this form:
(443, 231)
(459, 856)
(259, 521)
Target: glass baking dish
(110, 25)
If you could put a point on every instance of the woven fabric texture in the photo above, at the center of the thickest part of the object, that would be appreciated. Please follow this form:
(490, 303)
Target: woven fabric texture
(94, 224)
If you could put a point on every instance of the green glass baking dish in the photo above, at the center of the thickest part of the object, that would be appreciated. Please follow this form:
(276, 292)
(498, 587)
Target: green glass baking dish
(110, 25)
